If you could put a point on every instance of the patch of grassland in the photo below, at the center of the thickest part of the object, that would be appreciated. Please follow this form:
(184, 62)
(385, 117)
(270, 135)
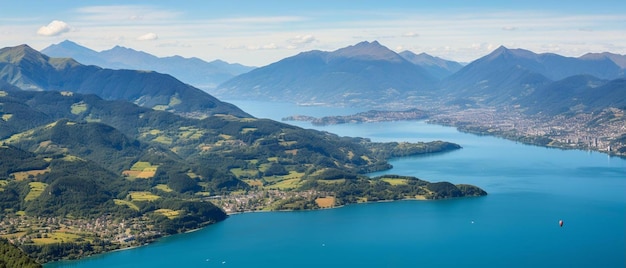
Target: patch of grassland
(143, 196)
(36, 188)
(325, 202)
(273, 159)
(129, 204)
(72, 158)
(395, 181)
(141, 170)
(164, 188)
(205, 194)
(6, 117)
(244, 173)
(2, 184)
(3, 93)
(56, 237)
(257, 183)
(245, 120)
(286, 184)
(287, 143)
(160, 107)
(22, 175)
(169, 213)
(91, 118)
(78, 108)
(190, 133)
(13, 235)
(174, 100)
(225, 137)
(248, 129)
(292, 152)
(164, 140)
(20, 213)
(339, 181)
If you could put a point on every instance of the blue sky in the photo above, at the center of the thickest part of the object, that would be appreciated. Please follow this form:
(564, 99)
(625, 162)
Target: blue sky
(261, 32)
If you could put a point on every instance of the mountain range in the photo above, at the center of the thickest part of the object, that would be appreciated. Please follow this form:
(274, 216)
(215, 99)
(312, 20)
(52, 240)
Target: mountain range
(370, 75)
(507, 75)
(25, 68)
(193, 71)
(360, 75)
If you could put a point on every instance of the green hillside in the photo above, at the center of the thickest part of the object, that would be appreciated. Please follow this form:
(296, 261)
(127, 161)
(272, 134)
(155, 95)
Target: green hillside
(27, 69)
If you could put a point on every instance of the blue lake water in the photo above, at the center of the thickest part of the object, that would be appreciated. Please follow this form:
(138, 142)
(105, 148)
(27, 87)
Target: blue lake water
(530, 189)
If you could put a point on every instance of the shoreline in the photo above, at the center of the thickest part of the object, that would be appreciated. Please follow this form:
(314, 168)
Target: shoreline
(156, 239)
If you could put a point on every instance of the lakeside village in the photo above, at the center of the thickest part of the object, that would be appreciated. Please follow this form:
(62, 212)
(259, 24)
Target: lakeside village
(603, 131)
(108, 233)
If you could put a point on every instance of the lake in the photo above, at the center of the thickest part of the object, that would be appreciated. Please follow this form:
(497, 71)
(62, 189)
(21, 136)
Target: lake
(530, 189)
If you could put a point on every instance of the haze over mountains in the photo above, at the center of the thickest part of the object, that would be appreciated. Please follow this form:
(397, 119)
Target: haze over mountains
(194, 71)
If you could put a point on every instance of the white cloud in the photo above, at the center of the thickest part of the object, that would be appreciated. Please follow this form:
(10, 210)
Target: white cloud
(509, 28)
(54, 28)
(148, 37)
(270, 46)
(302, 39)
(410, 34)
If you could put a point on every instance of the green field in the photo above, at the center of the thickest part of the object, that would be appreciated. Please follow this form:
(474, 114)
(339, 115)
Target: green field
(164, 188)
(143, 196)
(395, 181)
(141, 170)
(36, 188)
(170, 214)
(78, 108)
(129, 204)
(286, 184)
(56, 237)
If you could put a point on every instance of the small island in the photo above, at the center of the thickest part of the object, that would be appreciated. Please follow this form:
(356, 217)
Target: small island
(363, 117)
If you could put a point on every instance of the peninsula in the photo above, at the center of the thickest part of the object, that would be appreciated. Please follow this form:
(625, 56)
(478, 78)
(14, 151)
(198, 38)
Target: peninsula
(363, 117)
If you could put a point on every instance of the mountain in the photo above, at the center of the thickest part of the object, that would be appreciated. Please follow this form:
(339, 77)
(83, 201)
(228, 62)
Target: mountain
(618, 59)
(579, 93)
(28, 69)
(366, 74)
(435, 66)
(194, 71)
(508, 74)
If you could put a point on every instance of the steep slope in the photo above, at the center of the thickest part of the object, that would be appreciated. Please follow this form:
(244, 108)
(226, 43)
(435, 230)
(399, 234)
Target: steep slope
(194, 71)
(366, 74)
(508, 74)
(435, 66)
(28, 69)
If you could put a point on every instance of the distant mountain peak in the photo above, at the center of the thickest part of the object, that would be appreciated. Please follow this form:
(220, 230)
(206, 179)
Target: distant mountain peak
(436, 66)
(503, 51)
(618, 59)
(367, 51)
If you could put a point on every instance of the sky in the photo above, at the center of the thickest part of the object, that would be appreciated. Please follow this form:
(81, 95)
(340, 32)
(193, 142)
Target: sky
(257, 33)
